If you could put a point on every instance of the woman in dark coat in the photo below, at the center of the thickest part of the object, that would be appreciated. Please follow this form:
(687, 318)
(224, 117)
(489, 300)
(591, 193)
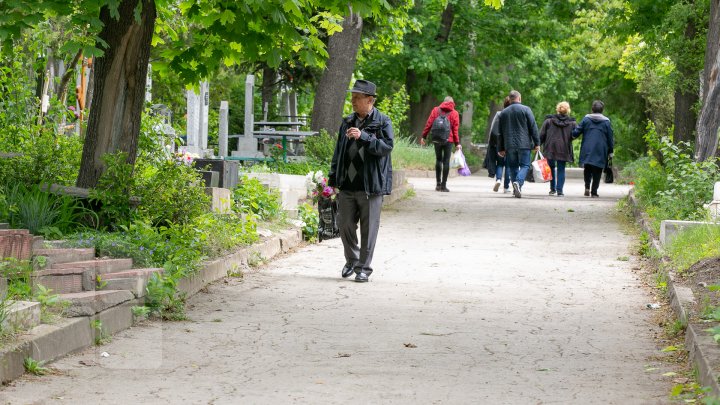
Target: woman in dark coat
(556, 140)
(494, 163)
(597, 145)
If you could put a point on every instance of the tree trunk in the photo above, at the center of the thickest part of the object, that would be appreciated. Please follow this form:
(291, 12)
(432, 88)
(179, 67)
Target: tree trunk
(119, 88)
(269, 81)
(332, 88)
(686, 95)
(67, 75)
(709, 119)
(420, 110)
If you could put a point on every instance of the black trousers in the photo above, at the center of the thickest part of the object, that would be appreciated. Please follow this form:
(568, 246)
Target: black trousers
(592, 173)
(442, 162)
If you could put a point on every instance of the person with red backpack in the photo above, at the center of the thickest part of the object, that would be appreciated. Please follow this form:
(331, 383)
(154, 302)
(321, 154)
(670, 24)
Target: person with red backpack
(442, 125)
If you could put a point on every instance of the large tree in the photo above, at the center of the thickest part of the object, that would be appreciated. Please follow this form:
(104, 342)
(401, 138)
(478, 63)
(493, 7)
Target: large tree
(708, 125)
(217, 32)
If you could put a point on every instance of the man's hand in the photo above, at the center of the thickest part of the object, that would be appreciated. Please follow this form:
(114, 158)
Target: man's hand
(537, 148)
(353, 133)
(422, 141)
(501, 154)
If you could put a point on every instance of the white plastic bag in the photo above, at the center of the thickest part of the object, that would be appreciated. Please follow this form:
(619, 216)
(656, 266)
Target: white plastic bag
(457, 160)
(541, 169)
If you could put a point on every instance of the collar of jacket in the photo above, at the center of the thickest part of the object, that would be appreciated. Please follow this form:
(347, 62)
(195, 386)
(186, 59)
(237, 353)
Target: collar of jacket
(370, 119)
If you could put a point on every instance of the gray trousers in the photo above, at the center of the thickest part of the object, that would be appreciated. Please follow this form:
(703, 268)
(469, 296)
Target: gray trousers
(354, 206)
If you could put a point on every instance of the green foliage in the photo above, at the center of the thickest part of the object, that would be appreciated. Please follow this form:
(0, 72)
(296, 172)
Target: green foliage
(163, 298)
(35, 367)
(101, 335)
(407, 154)
(19, 276)
(692, 245)
(114, 189)
(43, 213)
(140, 312)
(251, 196)
(396, 106)
(308, 214)
(45, 297)
(320, 147)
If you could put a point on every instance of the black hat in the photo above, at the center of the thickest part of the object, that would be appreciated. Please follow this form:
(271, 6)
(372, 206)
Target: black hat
(364, 87)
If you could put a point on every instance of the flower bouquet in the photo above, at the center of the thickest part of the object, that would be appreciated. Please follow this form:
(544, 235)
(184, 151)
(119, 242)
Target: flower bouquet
(325, 197)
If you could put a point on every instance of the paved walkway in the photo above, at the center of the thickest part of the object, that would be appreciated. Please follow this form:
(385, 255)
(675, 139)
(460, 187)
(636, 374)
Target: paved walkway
(477, 298)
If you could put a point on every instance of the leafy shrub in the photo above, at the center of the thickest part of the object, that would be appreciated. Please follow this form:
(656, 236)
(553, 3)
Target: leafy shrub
(44, 213)
(113, 191)
(395, 106)
(250, 196)
(672, 185)
(309, 216)
(320, 148)
(692, 245)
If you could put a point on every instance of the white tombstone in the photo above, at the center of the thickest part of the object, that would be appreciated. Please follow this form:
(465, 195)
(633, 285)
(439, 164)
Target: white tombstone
(714, 206)
(197, 120)
(247, 144)
(148, 84)
(716, 192)
(223, 128)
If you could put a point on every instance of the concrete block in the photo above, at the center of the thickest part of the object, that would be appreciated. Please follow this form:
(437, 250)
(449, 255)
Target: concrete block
(211, 178)
(134, 281)
(100, 266)
(290, 239)
(91, 302)
(4, 225)
(716, 191)
(670, 228)
(60, 281)
(220, 199)
(22, 315)
(57, 256)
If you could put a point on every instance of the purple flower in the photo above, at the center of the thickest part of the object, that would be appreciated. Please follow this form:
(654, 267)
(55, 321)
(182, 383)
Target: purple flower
(327, 191)
(142, 248)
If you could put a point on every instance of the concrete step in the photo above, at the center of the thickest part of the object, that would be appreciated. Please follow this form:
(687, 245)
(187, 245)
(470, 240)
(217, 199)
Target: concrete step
(21, 315)
(100, 266)
(64, 281)
(4, 225)
(89, 303)
(16, 243)
(62, 255)
(134, 280)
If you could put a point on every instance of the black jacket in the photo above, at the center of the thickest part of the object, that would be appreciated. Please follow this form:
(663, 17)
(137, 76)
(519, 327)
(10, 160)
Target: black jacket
(376, 138)
(556, 137)
(518, 129)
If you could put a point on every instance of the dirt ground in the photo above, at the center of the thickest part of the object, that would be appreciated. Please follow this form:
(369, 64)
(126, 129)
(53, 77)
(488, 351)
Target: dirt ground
(477, 297)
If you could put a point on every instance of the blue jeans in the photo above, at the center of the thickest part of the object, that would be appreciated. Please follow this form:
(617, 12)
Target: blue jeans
(502, 174)
(558, 180)
(519, 162)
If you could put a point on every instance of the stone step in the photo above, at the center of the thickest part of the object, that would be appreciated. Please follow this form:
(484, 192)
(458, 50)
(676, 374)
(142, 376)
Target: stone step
(64, 281)
(21, 315)
(89, 303)
(16, 243)
(63, 255)
(38, 242)
(100, 266)
(4, 225)
(135, 280)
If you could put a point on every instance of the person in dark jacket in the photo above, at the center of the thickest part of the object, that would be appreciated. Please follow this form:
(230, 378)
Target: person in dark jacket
(556, 139)
(597, 145)
(443, 150)
(518, 135)
(361, 168)
(493, 161)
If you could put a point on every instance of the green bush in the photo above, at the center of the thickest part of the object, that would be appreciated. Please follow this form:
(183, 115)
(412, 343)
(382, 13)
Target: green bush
(320, 148)
(692, 245)
(308, 214)
(396, 106)
(43, 213)
(250, 196)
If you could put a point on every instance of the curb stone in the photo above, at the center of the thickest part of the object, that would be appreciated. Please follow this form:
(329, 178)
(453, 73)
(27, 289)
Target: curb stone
(701, 347)
(49, 342)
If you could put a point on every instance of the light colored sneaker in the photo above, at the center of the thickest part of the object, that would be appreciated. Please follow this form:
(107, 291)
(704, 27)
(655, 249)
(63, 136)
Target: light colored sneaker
(496, 187)
(507, 190)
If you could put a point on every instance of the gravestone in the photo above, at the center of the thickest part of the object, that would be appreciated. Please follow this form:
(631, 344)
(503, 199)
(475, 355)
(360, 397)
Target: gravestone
(197, 120)
(247, 145)
(223, 129)
(227, 170)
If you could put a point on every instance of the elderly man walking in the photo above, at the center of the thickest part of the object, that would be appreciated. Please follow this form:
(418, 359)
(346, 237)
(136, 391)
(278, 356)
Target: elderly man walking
(362, 169)
(518, 135)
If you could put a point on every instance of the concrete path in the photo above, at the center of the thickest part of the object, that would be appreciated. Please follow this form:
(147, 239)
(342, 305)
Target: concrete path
(477, 298)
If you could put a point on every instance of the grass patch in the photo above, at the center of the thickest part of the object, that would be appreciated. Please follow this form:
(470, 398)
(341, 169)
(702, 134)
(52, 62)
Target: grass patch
(692, 245)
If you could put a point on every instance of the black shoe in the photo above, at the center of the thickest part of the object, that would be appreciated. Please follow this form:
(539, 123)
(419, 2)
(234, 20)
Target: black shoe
(361, 277)
(587, 192)
(444, 190)
(552, 192)
(347, 270)
(560, 194)
(516, 189)
(438, 188)
(594, 196)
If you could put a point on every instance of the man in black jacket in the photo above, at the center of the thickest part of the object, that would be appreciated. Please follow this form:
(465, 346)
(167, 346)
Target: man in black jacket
(518, 135)
(362, 169)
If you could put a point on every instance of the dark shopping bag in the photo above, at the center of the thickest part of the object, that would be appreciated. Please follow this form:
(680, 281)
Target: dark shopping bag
(327, 224)
(608, 170)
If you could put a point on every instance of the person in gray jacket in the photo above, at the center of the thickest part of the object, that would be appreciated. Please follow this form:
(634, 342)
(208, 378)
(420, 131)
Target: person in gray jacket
(518, 135)
(362, 169)
(597, 145)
